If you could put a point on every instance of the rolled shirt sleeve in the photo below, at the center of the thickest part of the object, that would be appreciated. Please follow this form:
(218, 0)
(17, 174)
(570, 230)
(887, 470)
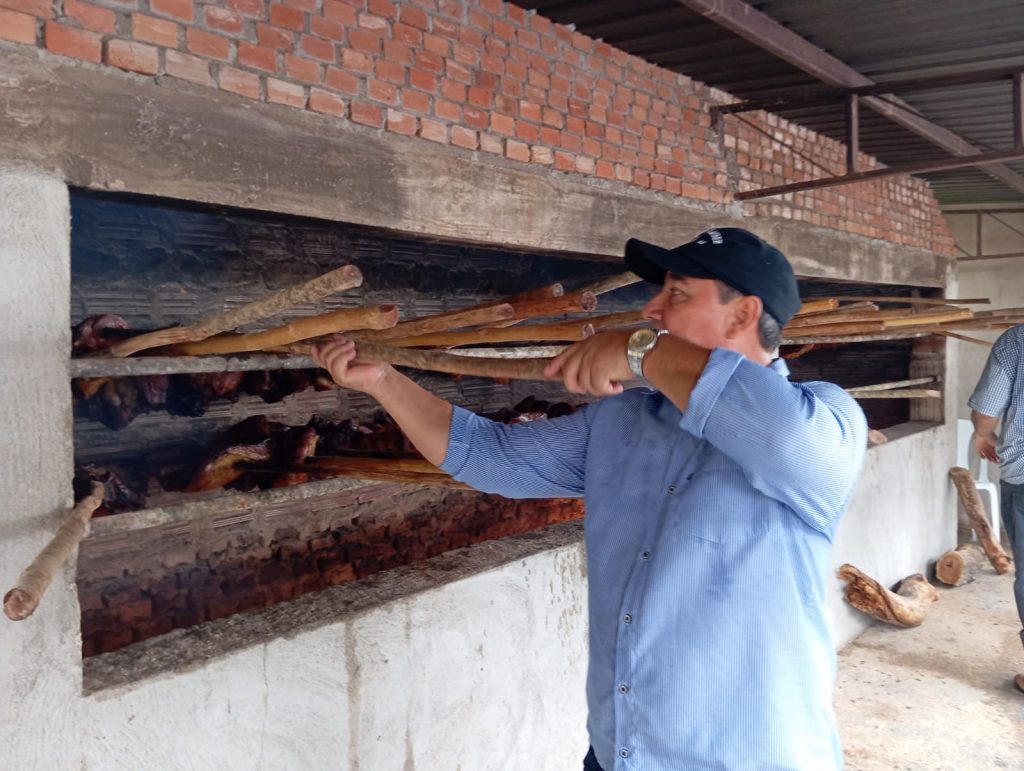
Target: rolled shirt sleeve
(539, 459)
(995, 388)
(801, 444)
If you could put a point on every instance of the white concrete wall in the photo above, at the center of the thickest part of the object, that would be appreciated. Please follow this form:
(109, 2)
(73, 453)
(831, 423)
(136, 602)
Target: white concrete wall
(902, 515)
(486, 673)
(40, 664)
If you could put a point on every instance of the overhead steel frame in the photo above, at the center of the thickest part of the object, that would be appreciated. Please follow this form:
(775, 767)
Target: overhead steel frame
(744, 20)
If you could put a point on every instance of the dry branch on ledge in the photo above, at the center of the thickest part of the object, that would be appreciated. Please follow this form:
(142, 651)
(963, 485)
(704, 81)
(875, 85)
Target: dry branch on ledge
(906, 607)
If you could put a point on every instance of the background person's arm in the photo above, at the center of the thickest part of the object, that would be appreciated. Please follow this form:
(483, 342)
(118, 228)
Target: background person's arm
(985, 438)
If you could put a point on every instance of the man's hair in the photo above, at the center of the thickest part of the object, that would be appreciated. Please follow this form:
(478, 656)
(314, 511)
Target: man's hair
(769, 332)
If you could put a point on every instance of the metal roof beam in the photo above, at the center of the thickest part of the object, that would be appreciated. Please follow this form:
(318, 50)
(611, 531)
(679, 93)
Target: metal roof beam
(763, 31)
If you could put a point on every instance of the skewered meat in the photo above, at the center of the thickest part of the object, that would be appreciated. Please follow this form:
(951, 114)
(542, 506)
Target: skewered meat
(92, 333)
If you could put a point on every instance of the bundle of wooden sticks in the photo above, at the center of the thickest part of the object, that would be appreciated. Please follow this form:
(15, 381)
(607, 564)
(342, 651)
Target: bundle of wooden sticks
(490, 339)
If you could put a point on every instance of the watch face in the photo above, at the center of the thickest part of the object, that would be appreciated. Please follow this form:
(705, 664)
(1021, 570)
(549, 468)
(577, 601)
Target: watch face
(642, 340)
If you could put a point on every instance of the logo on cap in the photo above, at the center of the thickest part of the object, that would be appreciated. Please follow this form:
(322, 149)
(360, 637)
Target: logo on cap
(714, 235)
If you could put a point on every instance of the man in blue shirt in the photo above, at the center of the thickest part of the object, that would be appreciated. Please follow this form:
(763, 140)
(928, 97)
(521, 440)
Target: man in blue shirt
(1000, 394)
(711, 502)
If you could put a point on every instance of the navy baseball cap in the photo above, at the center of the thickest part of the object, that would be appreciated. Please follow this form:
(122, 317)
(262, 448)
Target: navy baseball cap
(732, 255)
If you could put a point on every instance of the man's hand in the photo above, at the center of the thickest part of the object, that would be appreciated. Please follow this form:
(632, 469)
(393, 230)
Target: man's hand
(338, 357)
(985, 444)
(595, 366)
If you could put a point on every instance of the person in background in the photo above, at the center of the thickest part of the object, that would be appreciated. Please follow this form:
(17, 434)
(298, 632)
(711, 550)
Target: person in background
(712, 497)
(999, 395)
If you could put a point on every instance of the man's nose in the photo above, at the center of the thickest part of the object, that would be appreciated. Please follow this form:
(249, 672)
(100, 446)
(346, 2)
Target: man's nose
(652, 311)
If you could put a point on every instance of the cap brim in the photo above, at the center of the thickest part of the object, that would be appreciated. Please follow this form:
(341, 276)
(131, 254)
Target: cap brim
(651, 262)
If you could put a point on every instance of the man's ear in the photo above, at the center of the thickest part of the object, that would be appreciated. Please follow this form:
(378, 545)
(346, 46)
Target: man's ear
(746, 312)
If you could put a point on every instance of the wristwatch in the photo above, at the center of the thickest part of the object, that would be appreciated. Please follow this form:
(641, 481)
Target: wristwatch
(640, 344)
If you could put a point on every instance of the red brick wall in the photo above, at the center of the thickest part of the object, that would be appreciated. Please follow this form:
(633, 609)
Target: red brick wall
(382, 527)
(484, 76)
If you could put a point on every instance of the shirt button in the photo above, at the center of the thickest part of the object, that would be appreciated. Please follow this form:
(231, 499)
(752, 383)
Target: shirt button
(628, 618)
(646, 555)
(623, 688)
(623, 753)
(671, 489)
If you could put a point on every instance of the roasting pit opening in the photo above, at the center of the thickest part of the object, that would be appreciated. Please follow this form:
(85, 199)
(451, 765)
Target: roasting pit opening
(156, 262)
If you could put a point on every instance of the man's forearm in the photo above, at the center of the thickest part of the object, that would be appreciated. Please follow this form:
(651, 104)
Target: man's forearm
(674, 367)
(425, 418)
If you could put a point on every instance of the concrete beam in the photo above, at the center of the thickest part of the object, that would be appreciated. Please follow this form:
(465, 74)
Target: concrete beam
(107, 130)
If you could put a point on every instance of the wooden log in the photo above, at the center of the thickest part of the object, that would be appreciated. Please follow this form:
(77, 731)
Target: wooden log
(976, 515)
(345, 277)
(959, 566)
(905, 607)
(344, 320)
(441, 322)
(21, 601)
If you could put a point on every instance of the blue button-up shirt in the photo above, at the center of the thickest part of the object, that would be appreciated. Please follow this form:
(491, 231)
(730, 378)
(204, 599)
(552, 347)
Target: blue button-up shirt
(708, 536)
(1000, 393)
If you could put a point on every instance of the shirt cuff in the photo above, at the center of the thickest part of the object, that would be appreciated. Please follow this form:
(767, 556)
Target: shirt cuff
(716, 375)
(458, 441)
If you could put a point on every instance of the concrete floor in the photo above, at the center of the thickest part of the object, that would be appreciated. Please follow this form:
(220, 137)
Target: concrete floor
(941, 696)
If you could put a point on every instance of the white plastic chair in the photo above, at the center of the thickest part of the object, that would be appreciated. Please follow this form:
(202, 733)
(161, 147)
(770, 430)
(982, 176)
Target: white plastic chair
(987, 488)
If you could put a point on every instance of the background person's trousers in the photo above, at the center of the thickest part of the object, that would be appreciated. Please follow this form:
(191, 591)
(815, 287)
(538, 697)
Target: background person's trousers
(1011, 501)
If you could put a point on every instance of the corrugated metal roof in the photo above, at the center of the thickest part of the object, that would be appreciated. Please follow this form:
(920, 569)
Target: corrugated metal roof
(882, 39)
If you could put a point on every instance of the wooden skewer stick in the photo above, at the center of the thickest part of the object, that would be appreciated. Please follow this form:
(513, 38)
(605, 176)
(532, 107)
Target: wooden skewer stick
(377, 470)
(844, 316)
(612, 283)
(437, 361)
(966, 339)
(976, 515)
(516, 369)
(345, 277)
(822, 305)
(917, 319)
(442, 322)
(904, 393)
(344, 320)
(837, 328)
(560, 331)
(890, 386)
(906, 607)
(919, 300)
(21, 601)
(517, 352)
